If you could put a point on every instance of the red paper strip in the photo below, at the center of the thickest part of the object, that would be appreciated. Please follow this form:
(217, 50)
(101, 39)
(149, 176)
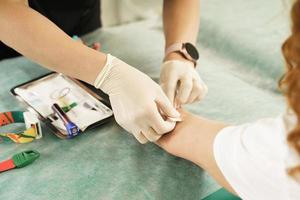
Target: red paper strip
(7, 165)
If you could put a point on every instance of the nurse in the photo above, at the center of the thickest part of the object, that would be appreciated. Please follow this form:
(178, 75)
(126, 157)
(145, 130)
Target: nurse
(41, 29)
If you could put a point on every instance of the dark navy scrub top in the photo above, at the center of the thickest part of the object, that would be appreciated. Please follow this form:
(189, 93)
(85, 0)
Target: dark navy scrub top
(74, 17)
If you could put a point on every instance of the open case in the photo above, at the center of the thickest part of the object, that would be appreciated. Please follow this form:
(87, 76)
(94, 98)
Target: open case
(84, 106)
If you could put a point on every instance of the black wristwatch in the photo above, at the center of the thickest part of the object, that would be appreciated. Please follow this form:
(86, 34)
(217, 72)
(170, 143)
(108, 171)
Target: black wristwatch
(188, 50)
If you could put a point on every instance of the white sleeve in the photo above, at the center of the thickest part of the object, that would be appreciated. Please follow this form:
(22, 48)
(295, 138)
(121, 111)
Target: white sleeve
(252, 159)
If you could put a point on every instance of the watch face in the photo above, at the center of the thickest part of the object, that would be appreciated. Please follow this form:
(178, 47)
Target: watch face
(192, 51)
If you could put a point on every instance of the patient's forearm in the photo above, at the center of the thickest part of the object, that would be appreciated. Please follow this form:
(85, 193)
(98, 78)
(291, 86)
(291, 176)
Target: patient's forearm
(37, 38)
(193, 140)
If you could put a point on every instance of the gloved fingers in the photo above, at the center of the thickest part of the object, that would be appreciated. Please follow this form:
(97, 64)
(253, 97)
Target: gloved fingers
(165, 106)
(169, 87)
(140, 137)
(159, 124)
(151, 134)
(198, 92)
(204, 91)
(184, 91)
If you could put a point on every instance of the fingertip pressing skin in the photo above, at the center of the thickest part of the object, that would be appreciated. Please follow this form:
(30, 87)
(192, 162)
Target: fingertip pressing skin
(140, 137)
(166, 107)
(151, 135)
(161, 125)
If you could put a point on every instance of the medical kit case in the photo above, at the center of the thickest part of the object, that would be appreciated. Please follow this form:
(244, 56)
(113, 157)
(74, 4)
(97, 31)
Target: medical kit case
(67, 106)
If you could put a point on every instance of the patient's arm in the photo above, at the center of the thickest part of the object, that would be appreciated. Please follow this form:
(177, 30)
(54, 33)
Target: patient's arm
(193, 140)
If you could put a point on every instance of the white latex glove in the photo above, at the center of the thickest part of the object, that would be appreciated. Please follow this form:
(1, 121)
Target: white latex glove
(181, 82)
(137, 101)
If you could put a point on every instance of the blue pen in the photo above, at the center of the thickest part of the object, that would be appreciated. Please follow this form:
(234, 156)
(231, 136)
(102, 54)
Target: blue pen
(72, 129)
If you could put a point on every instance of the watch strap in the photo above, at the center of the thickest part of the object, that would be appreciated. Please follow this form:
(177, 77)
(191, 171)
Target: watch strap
(173, 48)
(179, 47)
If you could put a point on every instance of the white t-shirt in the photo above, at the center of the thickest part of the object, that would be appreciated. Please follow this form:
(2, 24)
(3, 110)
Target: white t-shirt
(254, 158)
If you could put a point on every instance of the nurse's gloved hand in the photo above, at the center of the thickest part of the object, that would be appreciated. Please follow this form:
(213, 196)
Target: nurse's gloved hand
(181, 82)
(137, 101)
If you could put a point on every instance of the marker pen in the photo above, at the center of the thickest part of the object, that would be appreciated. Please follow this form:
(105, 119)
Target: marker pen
(72, 129)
